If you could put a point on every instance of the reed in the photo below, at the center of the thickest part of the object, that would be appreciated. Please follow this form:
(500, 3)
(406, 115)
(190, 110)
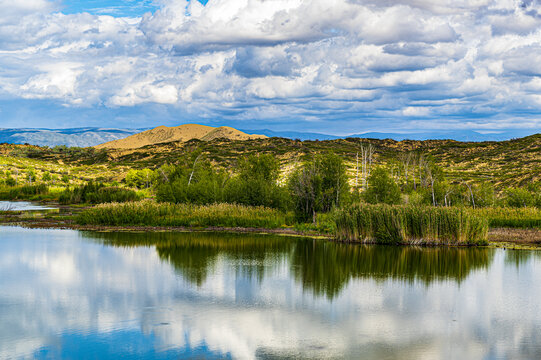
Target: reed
(526, 217)
(385, 224)
(150, 213)
(24, 192)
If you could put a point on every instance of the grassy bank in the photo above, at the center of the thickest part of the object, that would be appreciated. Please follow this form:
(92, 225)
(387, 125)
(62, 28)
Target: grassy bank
(149, 213)
(386, 224)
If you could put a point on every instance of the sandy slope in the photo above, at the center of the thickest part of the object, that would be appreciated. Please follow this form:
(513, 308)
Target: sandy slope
(163, 134)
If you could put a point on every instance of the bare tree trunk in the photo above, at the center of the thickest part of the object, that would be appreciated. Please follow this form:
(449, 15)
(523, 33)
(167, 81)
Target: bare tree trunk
(357, 173)
(193, 169)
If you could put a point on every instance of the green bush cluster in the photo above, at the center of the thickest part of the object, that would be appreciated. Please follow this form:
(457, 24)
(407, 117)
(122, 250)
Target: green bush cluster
(196, 181)
(92, 193)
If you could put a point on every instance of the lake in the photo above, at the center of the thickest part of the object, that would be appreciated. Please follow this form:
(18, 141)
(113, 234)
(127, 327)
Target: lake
(80, 295)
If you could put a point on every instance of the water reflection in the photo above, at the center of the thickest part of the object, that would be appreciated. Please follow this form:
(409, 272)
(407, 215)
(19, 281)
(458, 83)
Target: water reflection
(324, 268)
(107, 296)
(194, 255)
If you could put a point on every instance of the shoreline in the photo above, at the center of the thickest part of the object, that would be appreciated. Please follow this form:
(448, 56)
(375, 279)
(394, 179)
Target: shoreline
(498, 237)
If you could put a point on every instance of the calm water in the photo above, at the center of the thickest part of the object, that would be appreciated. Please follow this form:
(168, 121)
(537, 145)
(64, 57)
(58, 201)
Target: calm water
(22, 206)
(75, 295)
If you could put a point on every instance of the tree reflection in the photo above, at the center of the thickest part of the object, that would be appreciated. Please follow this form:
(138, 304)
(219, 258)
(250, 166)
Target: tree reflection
(322, 267)
(325, 268)
(194, 255)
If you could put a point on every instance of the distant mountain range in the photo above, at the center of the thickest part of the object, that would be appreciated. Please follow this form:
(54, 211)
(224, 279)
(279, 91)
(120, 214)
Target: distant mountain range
(80, 137)
(83, 137)
(458, 135)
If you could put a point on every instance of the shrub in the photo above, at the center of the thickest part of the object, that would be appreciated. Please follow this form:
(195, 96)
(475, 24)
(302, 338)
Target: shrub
(96, 194)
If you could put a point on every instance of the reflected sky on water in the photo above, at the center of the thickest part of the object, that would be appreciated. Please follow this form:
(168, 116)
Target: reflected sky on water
(69, 294)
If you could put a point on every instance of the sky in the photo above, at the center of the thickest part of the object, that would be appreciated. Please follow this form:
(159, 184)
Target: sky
(332, 66)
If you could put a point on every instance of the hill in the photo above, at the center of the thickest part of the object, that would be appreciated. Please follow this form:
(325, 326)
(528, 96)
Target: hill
(182, 133)
(503, 163)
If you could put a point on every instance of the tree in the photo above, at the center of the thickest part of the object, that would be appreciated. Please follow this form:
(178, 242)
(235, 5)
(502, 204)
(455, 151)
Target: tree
(141, 179)
(318, 186)
(257, 183)
(382, 188)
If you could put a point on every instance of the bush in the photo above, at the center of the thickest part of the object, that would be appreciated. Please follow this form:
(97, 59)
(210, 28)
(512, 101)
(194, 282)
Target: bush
(518, 197)
(96, 194)
(382, 188)
(319, 186)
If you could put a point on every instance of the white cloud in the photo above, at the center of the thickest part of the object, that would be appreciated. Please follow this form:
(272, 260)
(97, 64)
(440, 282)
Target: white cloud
(315, 59)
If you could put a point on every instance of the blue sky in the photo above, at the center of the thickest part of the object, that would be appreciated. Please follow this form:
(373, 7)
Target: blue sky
(335, 66)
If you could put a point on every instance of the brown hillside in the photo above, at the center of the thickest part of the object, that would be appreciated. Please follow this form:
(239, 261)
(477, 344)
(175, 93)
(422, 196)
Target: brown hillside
(164, 134)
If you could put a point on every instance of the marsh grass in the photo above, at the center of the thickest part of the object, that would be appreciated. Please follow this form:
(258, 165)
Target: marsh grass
(386, 224)
(150, 213)
(527, 217)
(25, 192)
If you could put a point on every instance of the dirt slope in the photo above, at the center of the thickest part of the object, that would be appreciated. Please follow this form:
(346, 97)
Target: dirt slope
(164, 134)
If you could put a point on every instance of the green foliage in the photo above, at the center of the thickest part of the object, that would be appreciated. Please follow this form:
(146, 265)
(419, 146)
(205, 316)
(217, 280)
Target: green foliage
(523, 217)
(31, 176)
(256, 184)
(406, 224)
(10, 181)
(141, 179)
(23, 192)
(520, 197)
(319, 185)
(46, 176)
(381, 188)
(148, 213)
(92, 193)
(197, 181)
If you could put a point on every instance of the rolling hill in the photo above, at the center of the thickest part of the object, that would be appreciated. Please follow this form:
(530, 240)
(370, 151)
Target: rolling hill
(182, 133)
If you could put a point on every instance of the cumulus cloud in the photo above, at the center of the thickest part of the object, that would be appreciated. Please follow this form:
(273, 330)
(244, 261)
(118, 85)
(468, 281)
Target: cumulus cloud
(322, 62)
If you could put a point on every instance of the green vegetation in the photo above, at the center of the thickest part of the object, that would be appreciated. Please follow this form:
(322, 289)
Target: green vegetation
(37, 191)
(196, 181)
(96, 194)
(319, 185)
(511, 217)
(149, 213)
(386, 224)
(444, 185)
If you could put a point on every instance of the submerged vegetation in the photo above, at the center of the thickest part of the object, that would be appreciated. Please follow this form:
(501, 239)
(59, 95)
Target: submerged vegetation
(386, 224)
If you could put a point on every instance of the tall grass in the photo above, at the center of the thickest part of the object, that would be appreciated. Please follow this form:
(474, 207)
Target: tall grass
(97, 194)
(386, 224)
(527, 217)
(24, 192)
(149, 213)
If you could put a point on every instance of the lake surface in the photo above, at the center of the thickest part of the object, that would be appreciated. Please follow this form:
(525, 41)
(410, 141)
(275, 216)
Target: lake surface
(22, 206)
(80, 295)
